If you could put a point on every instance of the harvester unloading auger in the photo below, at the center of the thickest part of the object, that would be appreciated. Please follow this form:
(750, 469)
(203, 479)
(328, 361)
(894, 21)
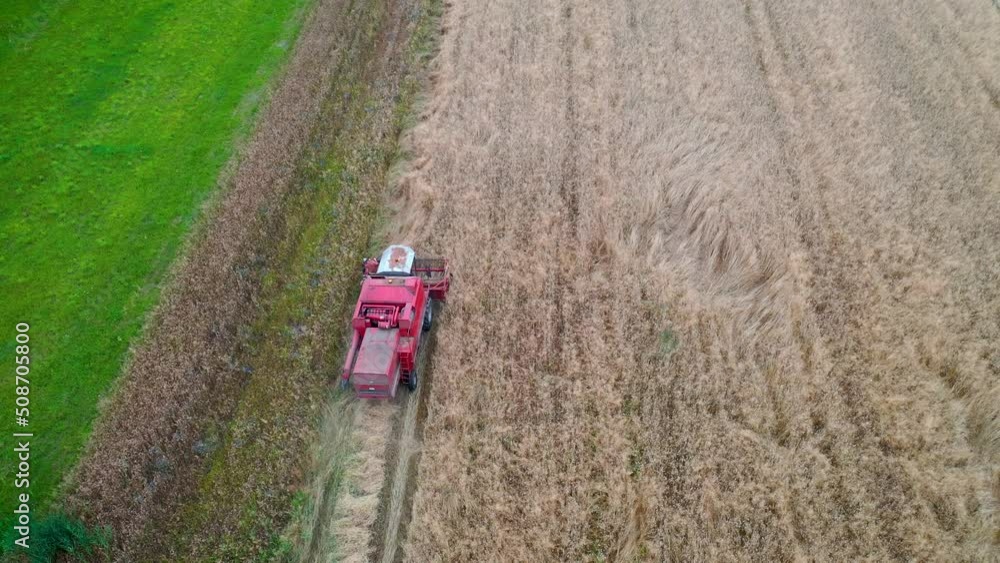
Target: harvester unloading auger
(394, 310)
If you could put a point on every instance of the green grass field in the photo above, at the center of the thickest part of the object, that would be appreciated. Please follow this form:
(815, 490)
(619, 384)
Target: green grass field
(116, 119)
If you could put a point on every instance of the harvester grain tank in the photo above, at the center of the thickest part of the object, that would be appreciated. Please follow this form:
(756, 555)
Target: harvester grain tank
(394, 310)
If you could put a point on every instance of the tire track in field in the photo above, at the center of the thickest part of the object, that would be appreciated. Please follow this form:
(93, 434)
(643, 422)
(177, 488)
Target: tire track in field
(369, 518)
(569, 195)
(407, 448)
(395, 510)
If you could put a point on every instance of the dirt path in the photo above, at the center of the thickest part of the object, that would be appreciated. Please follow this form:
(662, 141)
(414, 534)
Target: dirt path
(726, 282)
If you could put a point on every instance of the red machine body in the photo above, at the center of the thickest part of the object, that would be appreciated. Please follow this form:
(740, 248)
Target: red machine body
(394, 310)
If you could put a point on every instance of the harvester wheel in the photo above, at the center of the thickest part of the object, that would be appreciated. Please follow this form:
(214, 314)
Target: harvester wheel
(413, 381)
(428, 316)
(344, 384)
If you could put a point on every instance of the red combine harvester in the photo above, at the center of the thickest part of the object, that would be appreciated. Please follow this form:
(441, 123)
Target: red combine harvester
(393, 311)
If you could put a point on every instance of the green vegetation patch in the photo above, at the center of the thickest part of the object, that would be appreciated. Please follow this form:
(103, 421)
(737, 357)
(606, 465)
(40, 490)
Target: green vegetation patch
(117, 118)
(60, 535)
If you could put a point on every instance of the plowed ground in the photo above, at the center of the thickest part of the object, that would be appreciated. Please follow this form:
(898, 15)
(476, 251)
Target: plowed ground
(727, 282)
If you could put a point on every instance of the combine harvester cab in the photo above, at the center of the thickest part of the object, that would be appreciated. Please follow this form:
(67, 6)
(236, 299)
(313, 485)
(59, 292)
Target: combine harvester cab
(394, 310)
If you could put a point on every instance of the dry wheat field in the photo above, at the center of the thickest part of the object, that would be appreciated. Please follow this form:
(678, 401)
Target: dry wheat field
(726, 282)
